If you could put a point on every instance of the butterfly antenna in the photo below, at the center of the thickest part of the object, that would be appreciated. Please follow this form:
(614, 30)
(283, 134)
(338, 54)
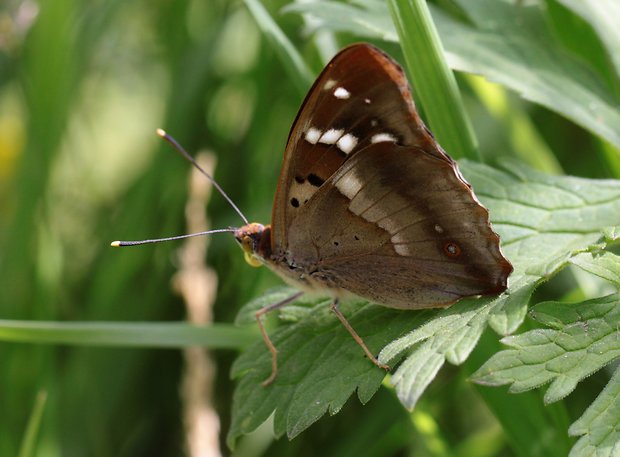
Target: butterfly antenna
(170, 238)
(162, 133)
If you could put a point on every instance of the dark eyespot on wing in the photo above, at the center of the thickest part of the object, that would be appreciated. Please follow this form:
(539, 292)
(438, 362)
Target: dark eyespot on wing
(452, 249)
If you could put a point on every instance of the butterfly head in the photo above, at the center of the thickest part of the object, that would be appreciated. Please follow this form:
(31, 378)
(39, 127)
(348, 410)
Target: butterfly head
(255, 240)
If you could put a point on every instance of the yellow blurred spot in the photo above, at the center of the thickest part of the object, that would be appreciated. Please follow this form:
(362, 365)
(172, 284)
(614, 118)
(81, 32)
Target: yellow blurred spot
(251, 259)
(11, 144)
(523, 135)
(428, 428)
(425, 423)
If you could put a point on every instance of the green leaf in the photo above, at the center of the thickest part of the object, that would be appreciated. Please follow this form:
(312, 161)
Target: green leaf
(319, 367)
(509, 44)
(451, 336)
(600, 424)
(603, 16)
(605, 265)
(247, 314)
(371, 19)
(582, 339)
(543, 221)
(612, 233)
(514, 47)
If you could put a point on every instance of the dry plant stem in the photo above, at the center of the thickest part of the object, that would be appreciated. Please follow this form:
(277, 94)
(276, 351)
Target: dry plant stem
(274, 352)
(356, 337)
(198, 284)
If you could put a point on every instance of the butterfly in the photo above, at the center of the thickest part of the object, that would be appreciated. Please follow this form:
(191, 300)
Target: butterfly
(368, 204)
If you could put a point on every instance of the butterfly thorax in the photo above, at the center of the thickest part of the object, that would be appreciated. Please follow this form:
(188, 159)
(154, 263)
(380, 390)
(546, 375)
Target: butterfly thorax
(255, 240)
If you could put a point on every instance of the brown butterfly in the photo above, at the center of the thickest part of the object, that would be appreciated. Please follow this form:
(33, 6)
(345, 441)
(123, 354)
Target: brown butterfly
(368, 204)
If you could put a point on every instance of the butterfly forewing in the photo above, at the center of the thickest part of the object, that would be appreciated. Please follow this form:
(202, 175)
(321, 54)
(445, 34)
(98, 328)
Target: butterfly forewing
(361, 97)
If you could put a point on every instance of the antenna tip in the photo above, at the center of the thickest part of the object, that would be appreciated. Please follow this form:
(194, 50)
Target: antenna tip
(161, 132)
(115, 244)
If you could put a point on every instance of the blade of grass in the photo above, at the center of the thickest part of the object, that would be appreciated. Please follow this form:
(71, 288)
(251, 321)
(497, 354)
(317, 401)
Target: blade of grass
(295, 66)
(168, 335)
(434, 83)
(27, 448)
(602, 15)
(525, 139)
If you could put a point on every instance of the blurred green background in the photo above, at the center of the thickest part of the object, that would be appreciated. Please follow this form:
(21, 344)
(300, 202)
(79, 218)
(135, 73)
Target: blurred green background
(83, 86)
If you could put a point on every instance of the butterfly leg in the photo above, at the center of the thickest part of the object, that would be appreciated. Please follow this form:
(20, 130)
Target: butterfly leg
(274, 352)
(336, 309)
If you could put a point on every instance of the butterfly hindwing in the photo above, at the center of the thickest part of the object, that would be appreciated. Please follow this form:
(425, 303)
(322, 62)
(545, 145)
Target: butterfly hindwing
(400, 227)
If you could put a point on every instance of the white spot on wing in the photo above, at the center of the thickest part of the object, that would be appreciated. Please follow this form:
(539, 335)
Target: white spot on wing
(438, 228)
(331, 136)
(401, 245)
(313, 135)
(398, 238)
(349, 185)
(390, 226)
(347, 143)
(402, 249)
(383, 137)
(342, 93)
(329, 84)
(367, 101)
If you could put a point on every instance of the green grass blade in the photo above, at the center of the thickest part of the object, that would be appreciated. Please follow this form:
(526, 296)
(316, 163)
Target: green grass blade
(602, 15)
(169, 335)
(435, 85)
(297, 69)
(27, 448)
